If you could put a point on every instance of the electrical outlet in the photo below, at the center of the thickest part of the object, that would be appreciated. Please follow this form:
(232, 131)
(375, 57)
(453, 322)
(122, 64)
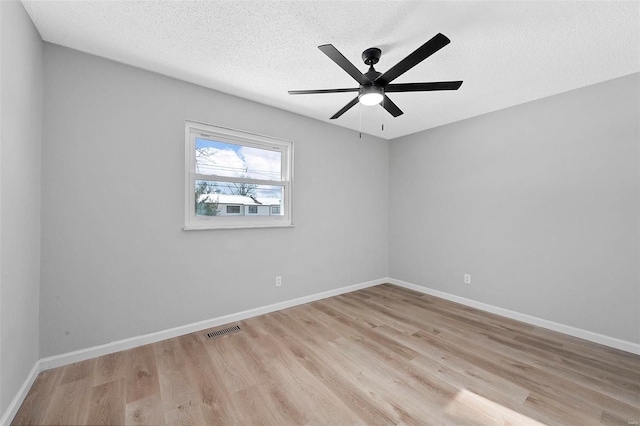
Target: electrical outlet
(467, 279)
(278, 281)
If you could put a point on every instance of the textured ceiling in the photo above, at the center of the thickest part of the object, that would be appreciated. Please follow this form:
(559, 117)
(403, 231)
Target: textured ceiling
(507, 53)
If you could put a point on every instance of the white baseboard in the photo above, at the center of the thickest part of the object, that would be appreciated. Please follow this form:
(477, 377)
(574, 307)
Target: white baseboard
(132, 342)
(613, 342)
(17, 401)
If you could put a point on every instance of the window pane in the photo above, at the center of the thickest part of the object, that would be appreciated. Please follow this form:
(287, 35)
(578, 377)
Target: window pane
(230, 160)
(214, 198)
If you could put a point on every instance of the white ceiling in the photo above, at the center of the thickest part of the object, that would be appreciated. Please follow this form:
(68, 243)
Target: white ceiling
(507, 53)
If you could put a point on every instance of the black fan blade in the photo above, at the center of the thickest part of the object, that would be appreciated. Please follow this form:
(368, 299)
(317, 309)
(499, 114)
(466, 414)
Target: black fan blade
(312, 92)
(423, 87)
(420, 54)
(344, 63)
(391, 107)
(345, 108)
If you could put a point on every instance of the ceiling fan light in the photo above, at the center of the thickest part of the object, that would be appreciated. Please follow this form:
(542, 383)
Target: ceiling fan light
(371, 95)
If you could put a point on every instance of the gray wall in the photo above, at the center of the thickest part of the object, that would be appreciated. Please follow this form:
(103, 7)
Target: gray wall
(115, 262)
(20, 143)
(539, 203)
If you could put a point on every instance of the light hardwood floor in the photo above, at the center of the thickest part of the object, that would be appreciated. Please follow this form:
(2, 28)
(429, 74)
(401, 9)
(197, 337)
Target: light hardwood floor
(383, 355)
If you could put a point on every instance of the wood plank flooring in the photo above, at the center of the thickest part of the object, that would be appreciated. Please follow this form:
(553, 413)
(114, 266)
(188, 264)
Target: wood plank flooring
(378, 356)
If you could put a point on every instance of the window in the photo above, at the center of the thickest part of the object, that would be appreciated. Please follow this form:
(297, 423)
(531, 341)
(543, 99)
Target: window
(236, 179)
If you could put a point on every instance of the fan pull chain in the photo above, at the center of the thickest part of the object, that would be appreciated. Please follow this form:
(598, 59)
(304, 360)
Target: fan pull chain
(360, 109)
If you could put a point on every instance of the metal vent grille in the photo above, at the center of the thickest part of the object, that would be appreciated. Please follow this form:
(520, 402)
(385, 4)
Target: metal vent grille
(223, 331)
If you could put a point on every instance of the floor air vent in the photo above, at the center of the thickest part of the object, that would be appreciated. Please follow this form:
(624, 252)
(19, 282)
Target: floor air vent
(223, 331)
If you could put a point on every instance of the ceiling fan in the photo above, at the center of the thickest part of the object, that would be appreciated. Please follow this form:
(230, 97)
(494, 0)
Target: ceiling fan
(375, 85)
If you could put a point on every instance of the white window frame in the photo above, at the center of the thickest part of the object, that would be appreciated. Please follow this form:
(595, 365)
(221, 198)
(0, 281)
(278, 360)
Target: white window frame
(195, 129)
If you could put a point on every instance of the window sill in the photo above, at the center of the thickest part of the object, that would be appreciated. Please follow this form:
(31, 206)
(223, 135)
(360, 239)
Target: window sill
(221, 228)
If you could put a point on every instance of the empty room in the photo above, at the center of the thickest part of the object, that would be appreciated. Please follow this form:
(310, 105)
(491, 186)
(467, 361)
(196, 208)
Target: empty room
(319, 213)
